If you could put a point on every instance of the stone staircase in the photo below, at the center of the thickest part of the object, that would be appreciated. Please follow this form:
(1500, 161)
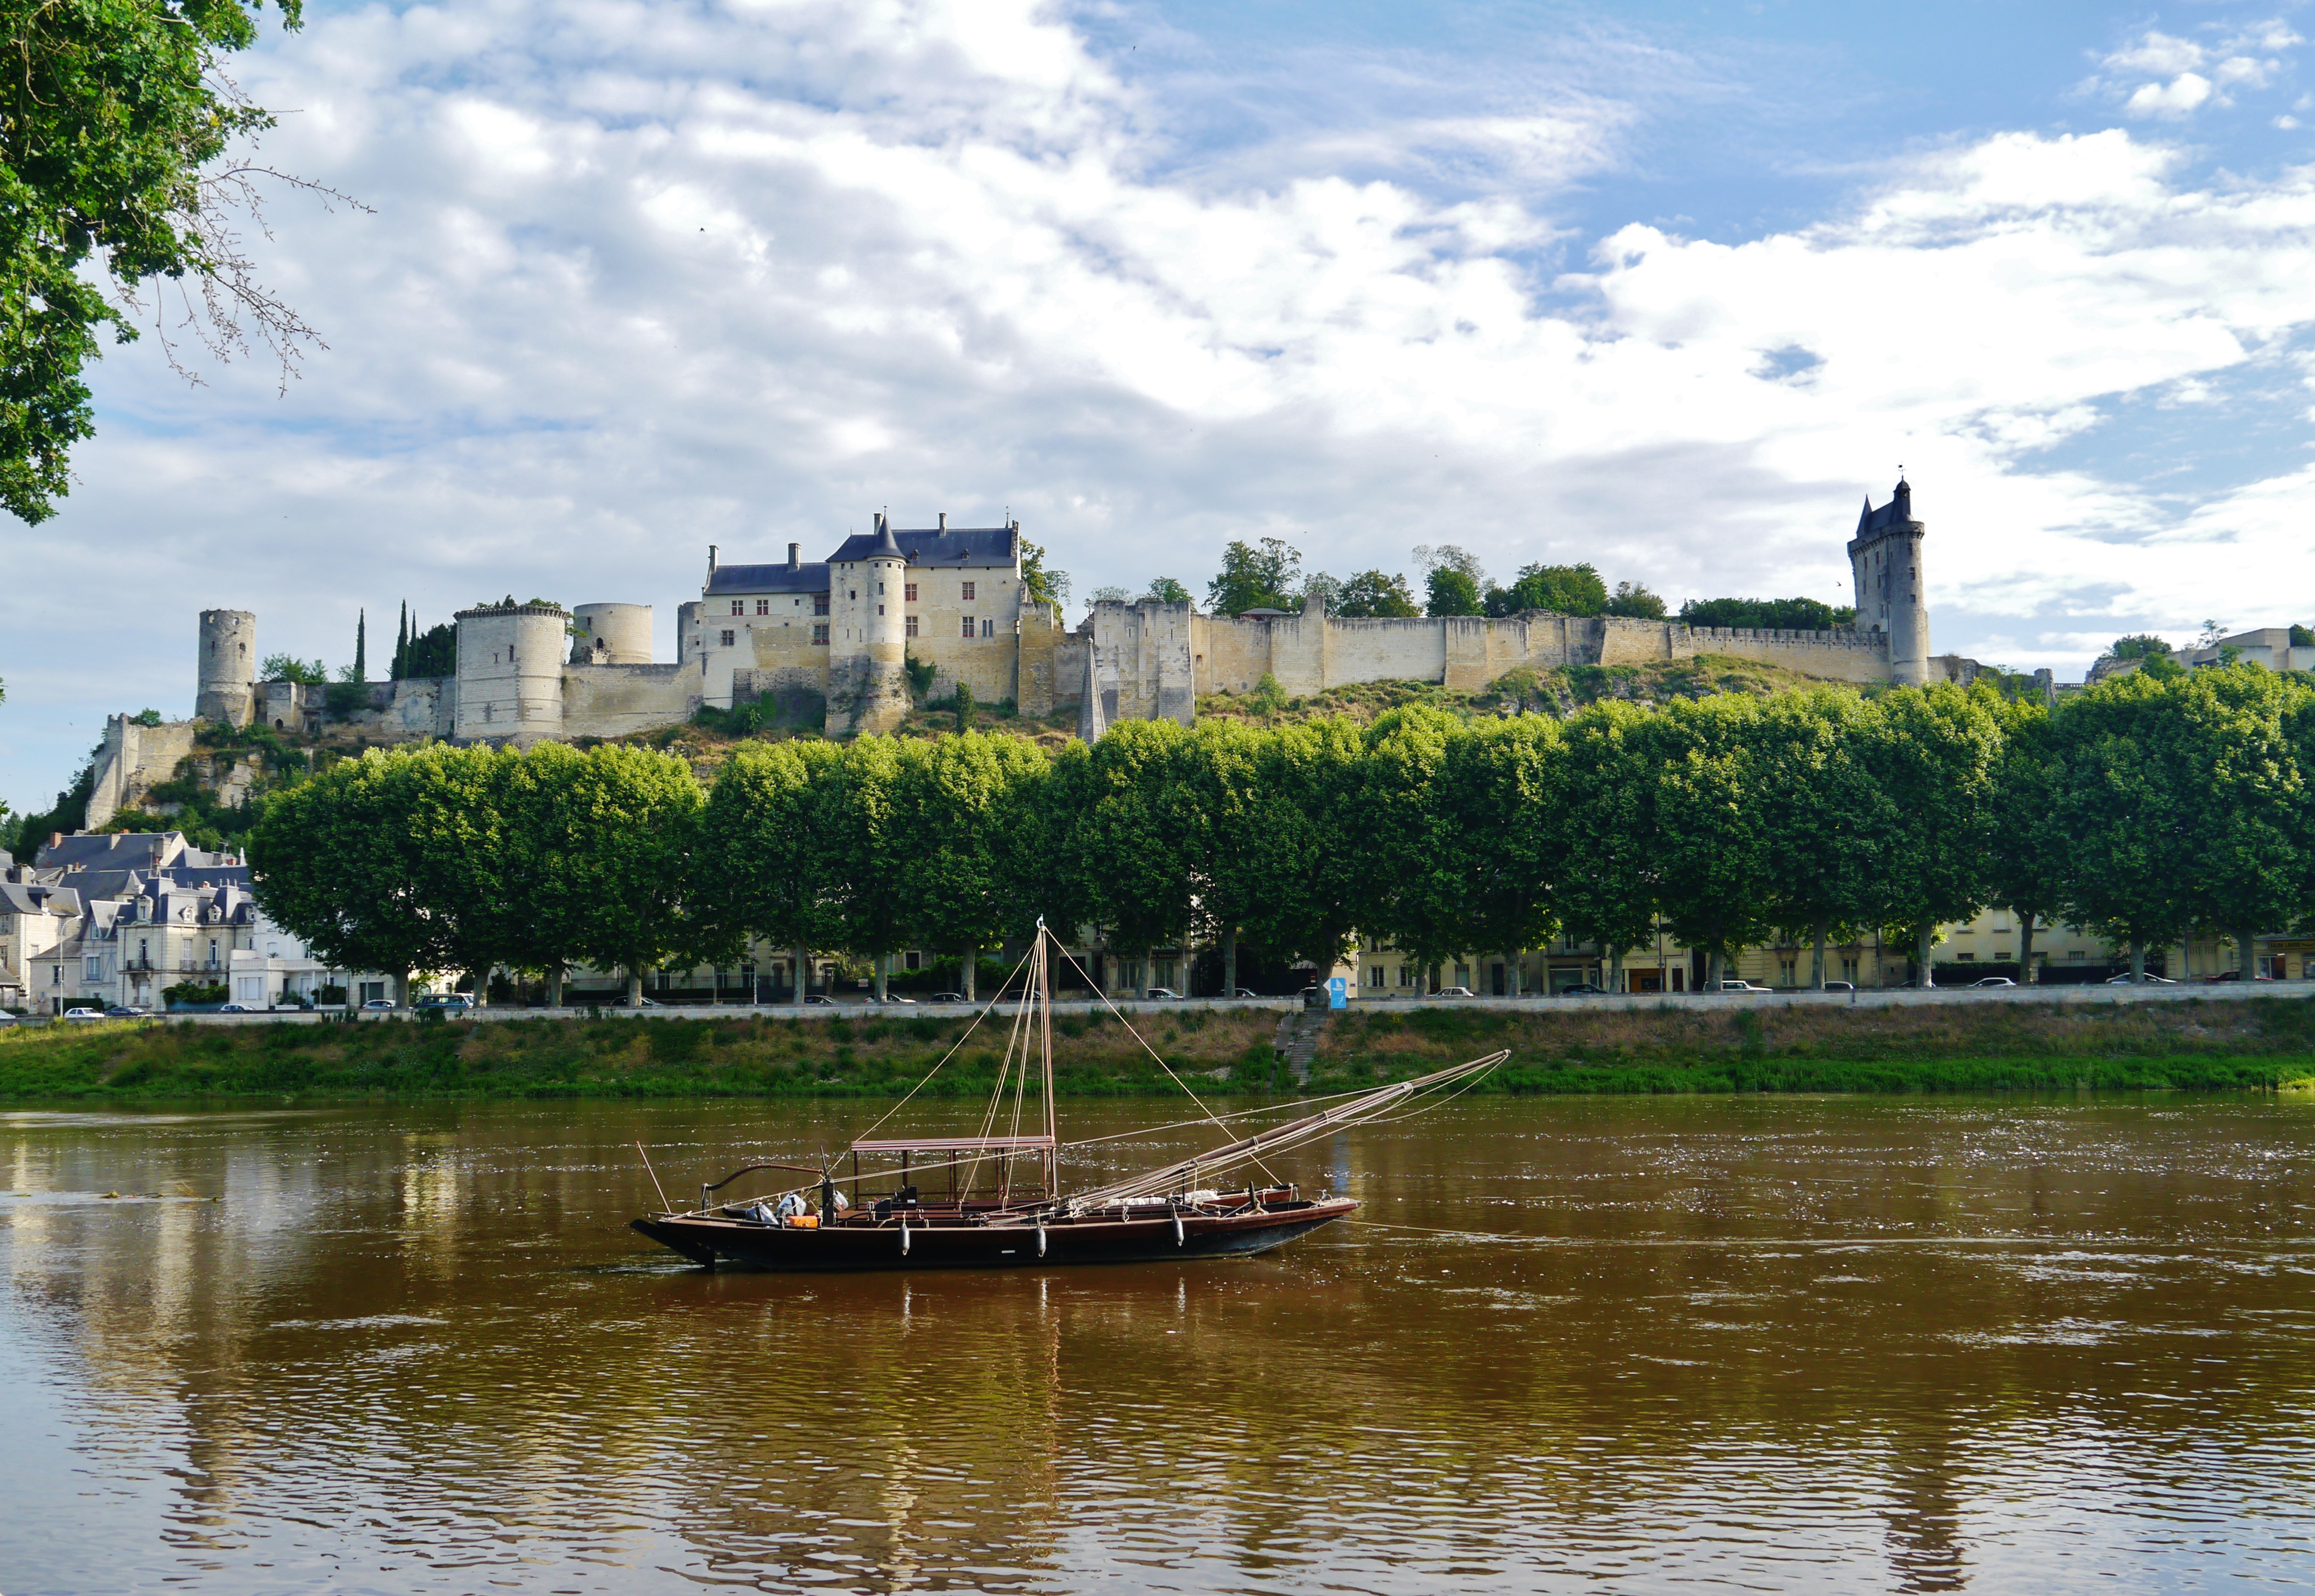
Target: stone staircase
(1299, 1035)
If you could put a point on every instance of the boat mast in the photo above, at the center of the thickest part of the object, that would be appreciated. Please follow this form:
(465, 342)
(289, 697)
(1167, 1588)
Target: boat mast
(1052, 1138)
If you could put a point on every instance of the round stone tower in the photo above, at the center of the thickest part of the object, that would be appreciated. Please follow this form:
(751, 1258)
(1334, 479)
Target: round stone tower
(225, 686)
(510, 672)
(885, 685)
(1884, 559)
(612, 634)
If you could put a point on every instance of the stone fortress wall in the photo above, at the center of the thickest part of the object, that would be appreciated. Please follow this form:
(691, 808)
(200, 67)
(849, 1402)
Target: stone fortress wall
(825, 644)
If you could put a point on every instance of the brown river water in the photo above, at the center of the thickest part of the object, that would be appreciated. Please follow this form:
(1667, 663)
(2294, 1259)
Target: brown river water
(1759, 1344)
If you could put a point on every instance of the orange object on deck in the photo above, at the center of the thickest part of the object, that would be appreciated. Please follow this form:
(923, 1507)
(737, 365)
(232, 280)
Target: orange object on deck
(804, 1222)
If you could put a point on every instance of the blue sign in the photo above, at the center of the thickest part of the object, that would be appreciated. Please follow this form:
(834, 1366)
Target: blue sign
(1337, 990)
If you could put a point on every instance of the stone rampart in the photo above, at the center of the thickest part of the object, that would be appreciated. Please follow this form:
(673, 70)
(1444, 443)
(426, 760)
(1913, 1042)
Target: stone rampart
(1310, 652)
(131, 761)
(616, 700)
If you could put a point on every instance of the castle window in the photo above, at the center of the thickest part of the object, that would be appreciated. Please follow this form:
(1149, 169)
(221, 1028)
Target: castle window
(729, 639)
(819, 633)
(988, 628)
(736, 608)
(912, 625)
(968, 627)
(763, 607)
(819, 604)
(880, 609)
(852, 595)
(968, 591)
(909, 592)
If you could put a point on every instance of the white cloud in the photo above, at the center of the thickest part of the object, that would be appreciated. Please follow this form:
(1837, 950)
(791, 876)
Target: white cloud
(642, 278)
(2180, 95)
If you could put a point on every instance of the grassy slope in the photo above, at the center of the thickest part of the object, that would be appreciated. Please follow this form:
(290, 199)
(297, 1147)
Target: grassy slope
(1966, 1047)
(674, 1058)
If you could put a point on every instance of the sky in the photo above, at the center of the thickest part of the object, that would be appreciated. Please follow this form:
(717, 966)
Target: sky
(1668, 287)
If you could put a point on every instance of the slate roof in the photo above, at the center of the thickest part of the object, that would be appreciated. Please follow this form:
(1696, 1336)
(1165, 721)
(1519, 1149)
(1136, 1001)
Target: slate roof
(932, 546)
(117, 850)
(782, 578)
(1897, 512)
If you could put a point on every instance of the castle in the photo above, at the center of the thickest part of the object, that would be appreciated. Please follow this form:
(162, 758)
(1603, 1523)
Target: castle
(833, 643)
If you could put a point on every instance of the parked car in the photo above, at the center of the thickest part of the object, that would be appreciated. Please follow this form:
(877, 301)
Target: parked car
(895, 998)
(1993, 980)
(2234, 975)
(621, 1002)
(1161, 995)
(229, 1008)
(948, 997)
(1841, 986)
(1582, 989)
(817, 1000)
(2124, 980)
(1456, 992)
(124, 1011)
(1246, 992)
(458, 1000)
(83, 1014)
(377, 1005)
(1733, 985)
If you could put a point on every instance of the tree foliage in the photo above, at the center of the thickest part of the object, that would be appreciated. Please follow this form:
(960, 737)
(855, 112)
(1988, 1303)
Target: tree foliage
(1264, 575)
(1767, 615)
(2144, 808)
(1376, 595)
(116, 119)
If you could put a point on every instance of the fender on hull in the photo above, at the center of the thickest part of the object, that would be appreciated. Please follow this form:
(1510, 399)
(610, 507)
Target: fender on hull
(711, 1242)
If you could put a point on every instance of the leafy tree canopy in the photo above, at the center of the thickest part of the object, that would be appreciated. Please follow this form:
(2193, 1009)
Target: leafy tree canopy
(2137, 646)
(1564, 589)
(1261, 576)
(116, 119)
(1768, 615)
(1166, 588)
(288, 668)
(1374, 594)
(1044, 584)
(1453, 592)
(1634, 601)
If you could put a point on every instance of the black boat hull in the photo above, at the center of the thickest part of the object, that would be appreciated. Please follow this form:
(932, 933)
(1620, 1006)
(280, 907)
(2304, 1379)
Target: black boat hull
(712, 1241)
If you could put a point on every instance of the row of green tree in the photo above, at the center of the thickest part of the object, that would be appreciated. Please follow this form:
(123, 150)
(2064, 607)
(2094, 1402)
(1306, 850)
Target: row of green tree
(2144, 807)
(1267, 574)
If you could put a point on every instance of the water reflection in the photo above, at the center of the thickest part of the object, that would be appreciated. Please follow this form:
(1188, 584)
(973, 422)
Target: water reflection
(1795, 1345)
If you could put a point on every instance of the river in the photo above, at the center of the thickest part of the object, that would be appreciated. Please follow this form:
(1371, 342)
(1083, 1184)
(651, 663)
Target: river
(1609, 1345)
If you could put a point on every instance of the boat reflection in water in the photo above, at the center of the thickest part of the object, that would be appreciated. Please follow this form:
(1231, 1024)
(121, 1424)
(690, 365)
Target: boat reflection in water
(1175, 1210)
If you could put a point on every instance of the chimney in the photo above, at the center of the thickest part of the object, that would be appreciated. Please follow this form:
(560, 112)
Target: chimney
(795, 555)
(944, 526)
(711, 559)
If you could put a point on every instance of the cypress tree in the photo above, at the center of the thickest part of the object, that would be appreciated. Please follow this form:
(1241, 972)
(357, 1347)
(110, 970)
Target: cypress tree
(401, 644)
(361, 645)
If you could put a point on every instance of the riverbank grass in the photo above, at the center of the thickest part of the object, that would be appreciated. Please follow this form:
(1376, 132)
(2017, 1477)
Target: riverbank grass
(2258, 1043)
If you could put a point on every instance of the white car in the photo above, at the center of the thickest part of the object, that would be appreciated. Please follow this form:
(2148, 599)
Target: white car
(1160, 994)
(1455, 992)
(1742, 986)
(83, 1014)
(378, 1005)
(1993, 980)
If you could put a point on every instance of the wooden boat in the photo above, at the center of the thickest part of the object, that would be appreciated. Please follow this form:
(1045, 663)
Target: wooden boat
(875, 1217)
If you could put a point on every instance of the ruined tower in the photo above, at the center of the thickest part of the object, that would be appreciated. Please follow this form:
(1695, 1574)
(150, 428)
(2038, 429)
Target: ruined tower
(1884, 559)
(226, 683)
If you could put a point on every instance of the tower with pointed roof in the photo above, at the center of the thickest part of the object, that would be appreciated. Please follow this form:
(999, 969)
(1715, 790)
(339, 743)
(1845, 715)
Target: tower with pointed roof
(868, 679)
(1885, 561)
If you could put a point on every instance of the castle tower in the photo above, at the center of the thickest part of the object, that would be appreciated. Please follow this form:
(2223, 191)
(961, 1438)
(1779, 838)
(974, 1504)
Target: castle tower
(226, 683)
(612, 634)
(510, 672)
(868, 691)
(1885, 561)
